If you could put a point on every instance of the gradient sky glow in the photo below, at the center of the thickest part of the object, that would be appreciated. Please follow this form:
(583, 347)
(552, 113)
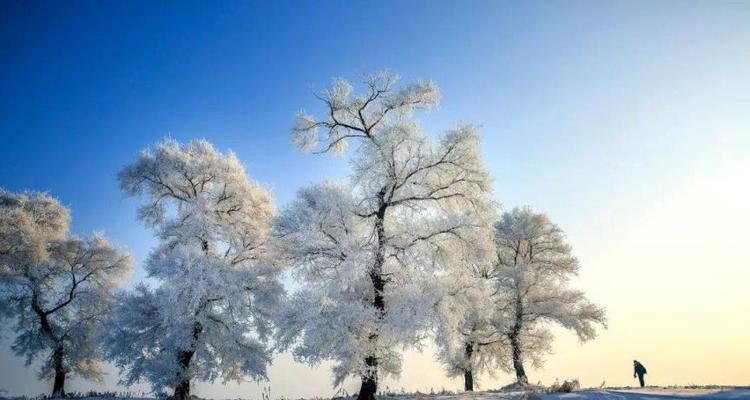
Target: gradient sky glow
(627, 122)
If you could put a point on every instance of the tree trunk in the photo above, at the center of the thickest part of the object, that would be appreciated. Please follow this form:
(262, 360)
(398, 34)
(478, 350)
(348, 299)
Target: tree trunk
(468, 373)
(468, 381)
(58, 388)
(515, 341)
(182, 387)
(518, 360)
(58, 354)
(370, 380)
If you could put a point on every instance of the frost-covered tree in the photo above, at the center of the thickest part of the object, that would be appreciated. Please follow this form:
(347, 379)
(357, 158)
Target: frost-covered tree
(56, 287)
(364, 251)
(533, 271)
(209, 314)
(469, 329)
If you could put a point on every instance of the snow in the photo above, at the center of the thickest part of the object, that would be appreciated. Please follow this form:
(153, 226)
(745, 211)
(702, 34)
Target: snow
(596, 394)
(655, 394)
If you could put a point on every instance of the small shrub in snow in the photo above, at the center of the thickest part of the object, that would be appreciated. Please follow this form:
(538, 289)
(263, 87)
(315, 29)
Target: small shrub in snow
(567, 386)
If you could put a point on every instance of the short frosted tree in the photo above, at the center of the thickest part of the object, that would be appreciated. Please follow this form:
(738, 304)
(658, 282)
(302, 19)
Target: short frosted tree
(534, 268)
(364, 251)
(209, 314)
(57, 287)
(469, 329)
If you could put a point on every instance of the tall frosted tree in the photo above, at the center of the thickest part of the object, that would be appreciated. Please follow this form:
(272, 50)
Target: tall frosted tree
(57, 288)
(209, 314)
(535, 265)
(365, 250)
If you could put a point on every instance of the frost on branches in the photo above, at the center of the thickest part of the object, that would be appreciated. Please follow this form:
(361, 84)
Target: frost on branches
(209, 315)
(469, 326)
(56, 287)
(365, 251)
(534, 267)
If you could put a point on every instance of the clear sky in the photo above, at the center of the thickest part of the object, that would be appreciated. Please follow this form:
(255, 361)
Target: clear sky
(627, 122)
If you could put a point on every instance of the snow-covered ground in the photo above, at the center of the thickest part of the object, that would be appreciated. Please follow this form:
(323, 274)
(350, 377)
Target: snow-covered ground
(586, 394)
(654, 394)
(599, 394)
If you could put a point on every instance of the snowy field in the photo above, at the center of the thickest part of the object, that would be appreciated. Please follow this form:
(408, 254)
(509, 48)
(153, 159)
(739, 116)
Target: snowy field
(654, 393)
(599, 394)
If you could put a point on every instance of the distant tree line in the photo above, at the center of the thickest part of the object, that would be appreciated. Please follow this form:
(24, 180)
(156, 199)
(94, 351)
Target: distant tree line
(410, 247)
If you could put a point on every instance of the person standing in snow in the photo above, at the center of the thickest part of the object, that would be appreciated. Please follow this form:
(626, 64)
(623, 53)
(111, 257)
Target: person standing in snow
(640, 370)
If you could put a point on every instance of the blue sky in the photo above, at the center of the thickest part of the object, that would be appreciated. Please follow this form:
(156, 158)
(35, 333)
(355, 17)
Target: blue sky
(590, 111)
(86, 85)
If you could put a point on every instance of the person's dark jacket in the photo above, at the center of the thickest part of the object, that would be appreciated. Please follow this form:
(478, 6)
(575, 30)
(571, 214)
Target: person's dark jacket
(639, 369)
